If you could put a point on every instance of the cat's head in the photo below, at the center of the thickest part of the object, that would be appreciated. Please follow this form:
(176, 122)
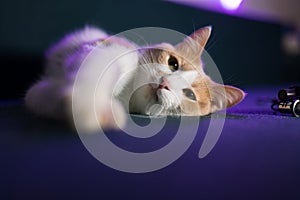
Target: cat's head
(178, 82)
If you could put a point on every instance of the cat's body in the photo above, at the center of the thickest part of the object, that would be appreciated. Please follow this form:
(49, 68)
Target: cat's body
(156, 80)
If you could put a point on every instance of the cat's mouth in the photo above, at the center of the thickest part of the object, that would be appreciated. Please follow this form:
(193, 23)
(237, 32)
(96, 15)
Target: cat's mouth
(157, 88)
(163, 95)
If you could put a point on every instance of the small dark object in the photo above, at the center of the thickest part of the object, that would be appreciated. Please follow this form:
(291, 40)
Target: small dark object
(289, 101)
(291, 92)
(288, 107)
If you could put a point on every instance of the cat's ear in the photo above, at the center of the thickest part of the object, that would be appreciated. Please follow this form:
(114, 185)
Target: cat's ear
(225, 96)
(196, 41)
(202, 35)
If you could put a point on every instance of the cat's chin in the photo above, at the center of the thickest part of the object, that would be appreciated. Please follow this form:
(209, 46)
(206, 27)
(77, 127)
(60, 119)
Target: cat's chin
(168, 100)
(160, 101)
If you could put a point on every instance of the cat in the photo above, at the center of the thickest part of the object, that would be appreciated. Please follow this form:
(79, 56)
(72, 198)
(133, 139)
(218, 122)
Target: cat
(175, 82)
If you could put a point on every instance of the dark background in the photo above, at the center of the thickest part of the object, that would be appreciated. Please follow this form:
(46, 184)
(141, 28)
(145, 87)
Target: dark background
(256, 157)
(247, 52)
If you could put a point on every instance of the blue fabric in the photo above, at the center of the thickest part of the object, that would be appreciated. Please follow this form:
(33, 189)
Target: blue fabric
(256, 157)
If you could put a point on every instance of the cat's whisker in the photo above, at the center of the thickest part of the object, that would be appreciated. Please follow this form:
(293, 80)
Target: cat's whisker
(179, 89)
(145, 42)
(152, 57)
(232, 80)
(212, 43)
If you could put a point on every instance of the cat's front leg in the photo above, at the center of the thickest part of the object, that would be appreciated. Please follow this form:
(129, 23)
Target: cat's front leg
(105, 114)
(112, 115)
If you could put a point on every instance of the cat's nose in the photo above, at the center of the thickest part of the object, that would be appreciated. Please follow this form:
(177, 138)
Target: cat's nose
(164, 84)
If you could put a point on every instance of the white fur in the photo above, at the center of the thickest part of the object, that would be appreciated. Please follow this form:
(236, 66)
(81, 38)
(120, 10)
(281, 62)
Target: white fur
(52, 95)
(103, 79)
(169, 99)
(178, 81)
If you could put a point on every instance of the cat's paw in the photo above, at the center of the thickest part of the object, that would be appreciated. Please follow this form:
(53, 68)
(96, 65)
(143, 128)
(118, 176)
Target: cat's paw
(112, 117)
(105, 116)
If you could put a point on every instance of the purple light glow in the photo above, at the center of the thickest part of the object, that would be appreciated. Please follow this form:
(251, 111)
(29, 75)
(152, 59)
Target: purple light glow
(231, 4)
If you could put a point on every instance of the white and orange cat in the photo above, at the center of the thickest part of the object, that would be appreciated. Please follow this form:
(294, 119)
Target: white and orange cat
(177, 84)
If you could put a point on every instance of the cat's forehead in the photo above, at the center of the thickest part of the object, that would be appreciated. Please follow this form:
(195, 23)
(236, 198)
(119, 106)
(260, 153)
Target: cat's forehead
(182, 79)
(190, 76)
(164, 50)
(164, 47)
(161, 53)
(201, 83)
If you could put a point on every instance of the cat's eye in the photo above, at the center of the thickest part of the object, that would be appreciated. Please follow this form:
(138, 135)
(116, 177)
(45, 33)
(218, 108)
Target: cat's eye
(173, 63)
(189, 94)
